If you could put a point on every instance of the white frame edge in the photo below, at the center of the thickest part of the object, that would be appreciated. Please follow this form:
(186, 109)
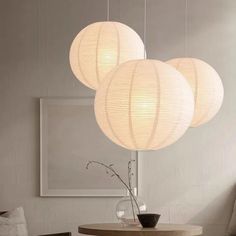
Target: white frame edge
(45, 192)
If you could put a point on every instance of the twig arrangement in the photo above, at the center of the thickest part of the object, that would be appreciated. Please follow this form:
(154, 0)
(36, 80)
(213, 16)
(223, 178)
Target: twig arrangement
(113, 173)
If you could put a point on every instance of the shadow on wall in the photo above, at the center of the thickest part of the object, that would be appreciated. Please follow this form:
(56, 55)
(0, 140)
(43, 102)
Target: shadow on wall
(217, 211)
(192, 190)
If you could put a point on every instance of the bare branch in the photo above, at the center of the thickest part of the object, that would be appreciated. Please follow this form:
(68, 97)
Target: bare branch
(109, 168)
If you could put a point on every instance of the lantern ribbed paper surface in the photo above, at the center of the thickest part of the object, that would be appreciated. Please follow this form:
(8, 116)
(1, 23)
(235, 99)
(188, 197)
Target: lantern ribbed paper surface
(100, 47)
(144, 105)
(206, 86)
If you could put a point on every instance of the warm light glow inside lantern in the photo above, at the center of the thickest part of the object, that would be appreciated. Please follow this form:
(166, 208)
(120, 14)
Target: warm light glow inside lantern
(100, 47)
(206, 86)
(144, 105)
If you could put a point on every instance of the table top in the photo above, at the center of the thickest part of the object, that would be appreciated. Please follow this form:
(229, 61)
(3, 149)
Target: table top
(113, 229)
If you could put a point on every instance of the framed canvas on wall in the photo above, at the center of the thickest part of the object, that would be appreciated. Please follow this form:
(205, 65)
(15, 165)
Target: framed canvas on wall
(69, 138)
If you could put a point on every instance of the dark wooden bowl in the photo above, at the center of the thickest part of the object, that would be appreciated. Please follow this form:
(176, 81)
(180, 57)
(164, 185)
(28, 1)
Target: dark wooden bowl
(148, 220)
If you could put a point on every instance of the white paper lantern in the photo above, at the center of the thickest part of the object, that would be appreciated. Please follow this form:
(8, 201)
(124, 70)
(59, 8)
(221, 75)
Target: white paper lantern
(100, 47)
(206, 86)
(144, 105)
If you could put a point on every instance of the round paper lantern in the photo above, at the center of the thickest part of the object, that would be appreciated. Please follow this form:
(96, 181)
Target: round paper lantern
(144, 105)
(100, 47)
(206, 86)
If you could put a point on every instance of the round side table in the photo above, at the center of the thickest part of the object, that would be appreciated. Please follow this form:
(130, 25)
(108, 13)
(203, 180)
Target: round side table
(110, 229)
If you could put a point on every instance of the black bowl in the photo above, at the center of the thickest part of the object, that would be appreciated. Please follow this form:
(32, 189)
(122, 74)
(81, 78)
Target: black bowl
(148, 220)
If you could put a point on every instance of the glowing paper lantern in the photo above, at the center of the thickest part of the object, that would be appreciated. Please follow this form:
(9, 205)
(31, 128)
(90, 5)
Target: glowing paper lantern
(206, 86)
(100, 47)
(144, 105)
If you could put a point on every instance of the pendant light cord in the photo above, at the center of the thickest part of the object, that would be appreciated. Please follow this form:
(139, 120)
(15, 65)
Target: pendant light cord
(145, 27)
(186, 28)
(108, 10)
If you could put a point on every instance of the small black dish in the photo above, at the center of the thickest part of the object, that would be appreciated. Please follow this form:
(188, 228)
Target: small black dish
(148, 220)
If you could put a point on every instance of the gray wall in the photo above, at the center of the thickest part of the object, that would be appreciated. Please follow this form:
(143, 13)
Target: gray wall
(191, 181)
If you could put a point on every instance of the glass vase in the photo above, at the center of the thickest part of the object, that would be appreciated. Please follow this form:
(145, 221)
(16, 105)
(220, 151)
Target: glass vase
(126, 209)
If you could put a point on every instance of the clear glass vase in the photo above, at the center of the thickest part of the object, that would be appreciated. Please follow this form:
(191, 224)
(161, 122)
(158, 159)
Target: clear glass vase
(126, 210)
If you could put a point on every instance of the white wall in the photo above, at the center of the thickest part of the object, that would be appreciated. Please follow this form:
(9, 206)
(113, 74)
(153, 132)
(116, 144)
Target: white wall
(191, 181)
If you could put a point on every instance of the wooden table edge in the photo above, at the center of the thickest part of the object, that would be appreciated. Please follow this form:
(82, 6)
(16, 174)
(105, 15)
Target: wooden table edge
(84, 229)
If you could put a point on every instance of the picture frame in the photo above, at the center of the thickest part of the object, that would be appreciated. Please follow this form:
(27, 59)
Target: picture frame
(65, 124)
